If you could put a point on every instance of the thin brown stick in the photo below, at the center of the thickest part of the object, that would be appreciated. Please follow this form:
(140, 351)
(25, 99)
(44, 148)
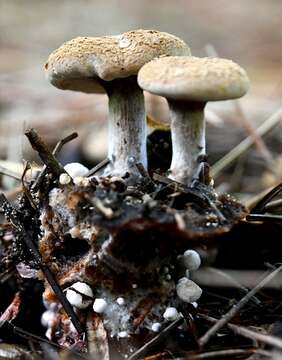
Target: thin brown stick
(55, 152)
(27, 335)
(260, 206)
(151, 343)
(264, 217)
(44, 153)
(273, 205)
(210, 276)
(157, 356)
(241, 148)
(258, 141)
(9, 173)
(241, 279)
(237, 307)
(98, 167)
(250, 334)
(227, 353)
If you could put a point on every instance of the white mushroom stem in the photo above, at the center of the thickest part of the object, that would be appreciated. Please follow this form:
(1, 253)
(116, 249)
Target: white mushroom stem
(127, 127)
(188, 139)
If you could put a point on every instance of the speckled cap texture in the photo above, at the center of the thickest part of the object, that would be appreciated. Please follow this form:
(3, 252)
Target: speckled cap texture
(77, 63)
(195, 79)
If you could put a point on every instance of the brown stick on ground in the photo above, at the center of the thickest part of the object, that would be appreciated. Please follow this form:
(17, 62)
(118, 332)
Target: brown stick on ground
(250, 334)
(45, 154)
(56, 150)
(151, 343)
(235, 308)
(232, 353)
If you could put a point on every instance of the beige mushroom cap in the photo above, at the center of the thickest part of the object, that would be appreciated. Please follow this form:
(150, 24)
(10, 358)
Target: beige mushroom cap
(78, 63)
(194, 79)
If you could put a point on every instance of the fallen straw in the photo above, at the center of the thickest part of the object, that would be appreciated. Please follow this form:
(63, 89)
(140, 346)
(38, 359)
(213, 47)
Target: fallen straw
(250, 334)
(234, 309)
(245, 145)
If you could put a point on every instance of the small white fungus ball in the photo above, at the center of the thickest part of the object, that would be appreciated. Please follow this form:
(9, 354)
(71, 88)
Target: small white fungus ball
(156, 327)
(120, 301)
(191, 260)
(76, 169)
(100, 305)
(64, 179)
(75, 299)
(188, 291)
(82, 288)
(171, 314)
(47, 318)
(75, 295)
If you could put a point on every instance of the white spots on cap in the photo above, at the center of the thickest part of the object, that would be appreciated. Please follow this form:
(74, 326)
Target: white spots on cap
(156, 327)
(187, 290)
(64, 179)
(171, 314)
(76, 169)
(99, 305)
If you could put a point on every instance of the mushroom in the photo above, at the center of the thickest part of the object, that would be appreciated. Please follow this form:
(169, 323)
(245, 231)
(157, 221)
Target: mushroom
(110, 64)
(79, 295)
(188, 83)
(187, 290)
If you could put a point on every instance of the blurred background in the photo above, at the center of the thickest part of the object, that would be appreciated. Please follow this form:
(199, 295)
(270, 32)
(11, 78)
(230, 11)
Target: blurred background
(248, 32)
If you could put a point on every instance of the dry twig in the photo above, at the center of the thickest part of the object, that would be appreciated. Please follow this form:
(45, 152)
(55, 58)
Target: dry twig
(250, 334)
(241, 148)
(237, 307)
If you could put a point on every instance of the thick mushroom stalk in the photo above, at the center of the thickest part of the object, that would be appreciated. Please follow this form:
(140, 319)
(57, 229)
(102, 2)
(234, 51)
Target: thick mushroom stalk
(188, 139)
(127, 127)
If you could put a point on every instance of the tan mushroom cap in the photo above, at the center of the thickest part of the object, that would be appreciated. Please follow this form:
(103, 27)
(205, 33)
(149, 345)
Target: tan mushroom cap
(77, 63)
(194, 79)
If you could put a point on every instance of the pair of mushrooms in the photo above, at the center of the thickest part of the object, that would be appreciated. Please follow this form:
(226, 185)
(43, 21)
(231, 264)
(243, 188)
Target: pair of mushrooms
(165, 67)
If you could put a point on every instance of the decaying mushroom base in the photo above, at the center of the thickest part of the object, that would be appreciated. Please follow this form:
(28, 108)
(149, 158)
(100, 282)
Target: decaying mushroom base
(125, 244)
